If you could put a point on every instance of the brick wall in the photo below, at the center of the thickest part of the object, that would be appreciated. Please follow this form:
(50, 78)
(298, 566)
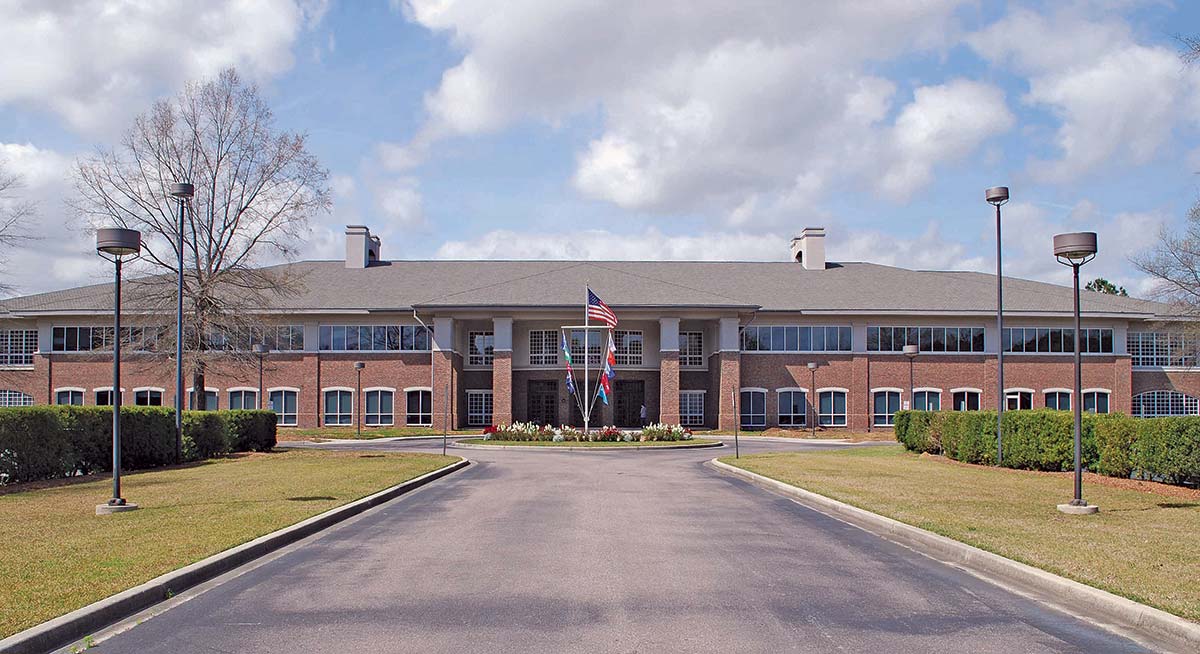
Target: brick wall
(502, 388)
(668, 396)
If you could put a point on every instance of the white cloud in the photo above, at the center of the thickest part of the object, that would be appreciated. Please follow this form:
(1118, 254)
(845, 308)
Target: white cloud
(705, 105)
(96, 63)
(399, 200)
(929, 251)
(1115, 98)
(648, 245)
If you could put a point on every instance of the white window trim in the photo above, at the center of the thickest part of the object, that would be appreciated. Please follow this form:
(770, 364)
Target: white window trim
(418, 388)
(150, 388)
(752, 388)
(886, 389)
(966, 390)
(337, 388)
(692, 390)
(1058, 390)
(467, 408)
(701, 393)
(106, 388)
(1018, 389)
(889, 388)
(835, 388)
(467, 357)
(929, 389)
(71, 388)
(372, 389)
(779, 405)
(207, 389)
(1096, 390)
(283, 388)
(793, 389)
(368, 389)
(234, 389)
(432, 413)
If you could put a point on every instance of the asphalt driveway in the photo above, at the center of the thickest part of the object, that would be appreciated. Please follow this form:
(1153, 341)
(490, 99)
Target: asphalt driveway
(603, 552)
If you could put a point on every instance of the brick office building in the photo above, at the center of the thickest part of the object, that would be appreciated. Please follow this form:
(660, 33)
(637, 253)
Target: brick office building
(693, 336)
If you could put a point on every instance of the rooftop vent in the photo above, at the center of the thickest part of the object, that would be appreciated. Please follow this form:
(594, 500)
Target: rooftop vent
(362, 249)
(808, 249)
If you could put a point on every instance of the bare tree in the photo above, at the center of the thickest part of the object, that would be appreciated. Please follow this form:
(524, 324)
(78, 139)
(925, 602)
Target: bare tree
(256, 188)
(15, 214)
(1174, 264)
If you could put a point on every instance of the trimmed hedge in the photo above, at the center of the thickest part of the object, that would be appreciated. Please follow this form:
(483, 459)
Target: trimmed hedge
(47, 442)
(251, 431)
(1164, 449)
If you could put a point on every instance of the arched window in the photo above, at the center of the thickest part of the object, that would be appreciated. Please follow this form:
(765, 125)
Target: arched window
(339, 407)
(379, 407)
(1060, 400)
(1095, 401)
(754, 409)
(832, 410)
(147, 397)
(283, 403)
(420, 408)
(966, 400)
(243, 400)
(70, 396)
(1016, 400)
(886, 404)
(927, 401)
(793, 409)
(1164, 403)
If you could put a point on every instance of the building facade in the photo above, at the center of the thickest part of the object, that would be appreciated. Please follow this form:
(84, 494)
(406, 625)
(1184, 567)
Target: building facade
(706, 344)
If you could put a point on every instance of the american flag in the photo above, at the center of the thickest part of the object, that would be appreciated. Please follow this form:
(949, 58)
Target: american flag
(596, 308)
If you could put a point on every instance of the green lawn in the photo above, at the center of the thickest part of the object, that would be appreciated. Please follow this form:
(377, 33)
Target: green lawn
(694, 441)
(1141, 545)
(58, 555)
(373, 432)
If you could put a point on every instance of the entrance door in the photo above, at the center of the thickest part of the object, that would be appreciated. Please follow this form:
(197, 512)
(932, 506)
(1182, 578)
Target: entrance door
(543, 402)
(631, 394)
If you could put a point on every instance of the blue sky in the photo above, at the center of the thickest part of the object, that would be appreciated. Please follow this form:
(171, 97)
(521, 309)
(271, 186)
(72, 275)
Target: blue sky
(651, 130)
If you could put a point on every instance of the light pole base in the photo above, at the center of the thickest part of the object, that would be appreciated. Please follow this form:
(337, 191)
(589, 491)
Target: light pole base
(1078, 509)
(108, 509)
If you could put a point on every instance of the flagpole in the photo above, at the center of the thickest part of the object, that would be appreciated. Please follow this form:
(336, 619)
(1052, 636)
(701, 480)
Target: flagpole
(587, 386)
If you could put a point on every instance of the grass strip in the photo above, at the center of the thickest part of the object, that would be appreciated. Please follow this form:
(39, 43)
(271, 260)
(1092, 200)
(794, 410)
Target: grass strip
(59, 556)
(1142, 545)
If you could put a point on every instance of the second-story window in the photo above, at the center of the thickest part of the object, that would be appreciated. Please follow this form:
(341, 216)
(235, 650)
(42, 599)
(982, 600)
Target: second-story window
(543, 347)
(629, 347)
(691, 349)
(480, 348)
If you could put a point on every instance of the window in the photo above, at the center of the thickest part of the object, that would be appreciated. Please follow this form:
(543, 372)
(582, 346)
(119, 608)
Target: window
(283, 338)
(1095, 401)
(691, 408)
(927, 401)
(210, 400)
(104, 397)
(793, 409)
(243, 400)
(754, 409)
(420, 408)
(886, 404)
(1060, 400)
(283, 403)
(339, 407)
(96, 339)
(927, 339)
(1041, 340)
(787, 338)
(147, 397)
(69, 396)
(15, 398)
(479, 408)
(17, 346)
(966, 400)
(543, 347)
(1164, 403)
(1018, 400)
(832, 410)
(1162, 349)
(691, 349)
(481, 347)
(629, 347)
(379, 407)
(374, 338)
(594, 345)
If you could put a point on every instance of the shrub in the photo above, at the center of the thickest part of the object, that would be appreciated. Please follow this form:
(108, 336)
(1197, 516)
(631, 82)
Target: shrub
(1168, 449)
(665, 432)
(1115, 436)
(205, 435)
(913, 431)
(251, 431)
(147, 437)
(33, 445)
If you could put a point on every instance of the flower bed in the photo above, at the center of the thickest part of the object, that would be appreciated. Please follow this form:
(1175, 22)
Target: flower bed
(529, 432)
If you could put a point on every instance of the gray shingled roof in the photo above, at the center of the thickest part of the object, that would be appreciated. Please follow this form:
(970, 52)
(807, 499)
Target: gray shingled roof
(785, 286)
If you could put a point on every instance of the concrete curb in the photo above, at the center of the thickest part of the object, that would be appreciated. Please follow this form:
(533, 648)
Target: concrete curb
(65, 629)
(568, 448)
(1124, 616)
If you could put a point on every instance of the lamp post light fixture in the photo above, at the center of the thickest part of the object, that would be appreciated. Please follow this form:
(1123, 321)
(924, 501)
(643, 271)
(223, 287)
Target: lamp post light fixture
(996, 196)
(117, 245)
(182, 192)
(911, 351)
(1074, 250)
(261, 350)
(358, 403)
(812, 369)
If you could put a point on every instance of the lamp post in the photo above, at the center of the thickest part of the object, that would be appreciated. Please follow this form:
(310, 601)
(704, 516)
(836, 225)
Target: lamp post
(996, 196)
(117, 245)
(182, 192)
(911, 351)
(1074, 250)
(358, 368)
(812, 369)
(261, 350)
